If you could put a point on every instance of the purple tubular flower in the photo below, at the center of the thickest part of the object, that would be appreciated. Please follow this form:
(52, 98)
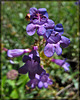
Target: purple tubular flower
(59, 28)
(62, 63)
(50, 49)
(16, 52)
(39, 20)
(53, 43)
(32, 64)
(44, 80)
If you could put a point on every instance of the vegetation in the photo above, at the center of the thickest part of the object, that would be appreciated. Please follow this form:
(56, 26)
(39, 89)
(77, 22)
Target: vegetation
(13, 35)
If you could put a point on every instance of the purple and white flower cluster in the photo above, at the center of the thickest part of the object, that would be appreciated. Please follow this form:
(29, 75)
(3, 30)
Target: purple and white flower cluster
(53, 35)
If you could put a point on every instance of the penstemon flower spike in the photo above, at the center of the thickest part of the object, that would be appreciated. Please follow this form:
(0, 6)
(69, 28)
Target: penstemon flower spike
(52, 34)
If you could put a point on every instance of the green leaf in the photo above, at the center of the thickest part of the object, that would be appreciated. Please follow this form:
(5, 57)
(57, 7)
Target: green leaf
(14, 94)
(75, 83)
(11, 82)
(3, 81)
(22, 79)
(75, 73)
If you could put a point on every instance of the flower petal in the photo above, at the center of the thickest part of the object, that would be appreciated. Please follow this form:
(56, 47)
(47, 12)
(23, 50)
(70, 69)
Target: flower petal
(27, 50)
(43, 12)
(23, 69)
(11, 61)
(35, 47)
(59, 28)
(36, 58)
(49, 50)
(48, 33)
(58, 50)
(32, 10)
(32, 86)
(26, 58)
(30, 29)
(41, 30)
(40, 70)
(34, 53)
(54, 38)
(50, 82)
(40, 84)
(58, 61)
(37, 76)
(49, 25)
(45, 85)
(66, 66)
(32, 65)
(31, 75)
(65, 41)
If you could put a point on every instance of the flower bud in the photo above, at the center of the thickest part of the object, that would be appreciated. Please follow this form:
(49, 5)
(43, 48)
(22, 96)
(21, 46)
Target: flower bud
(12, 74)
(17, 52)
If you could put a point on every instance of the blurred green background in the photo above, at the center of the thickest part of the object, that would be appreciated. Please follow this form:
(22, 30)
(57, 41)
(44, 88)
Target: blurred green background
(13, 35)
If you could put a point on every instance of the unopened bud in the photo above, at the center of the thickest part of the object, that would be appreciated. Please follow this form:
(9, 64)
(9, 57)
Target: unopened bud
(13, 74)
(4, 49)
(35, 47)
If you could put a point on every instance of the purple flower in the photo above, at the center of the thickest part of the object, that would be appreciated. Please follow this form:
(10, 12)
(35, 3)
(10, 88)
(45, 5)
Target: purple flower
(17, 52)
(59, 28)
(32, 64)
(40, 81)
(44, 80)
(62, 63)
(39, 20)
(53, 44)
(38, 16)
